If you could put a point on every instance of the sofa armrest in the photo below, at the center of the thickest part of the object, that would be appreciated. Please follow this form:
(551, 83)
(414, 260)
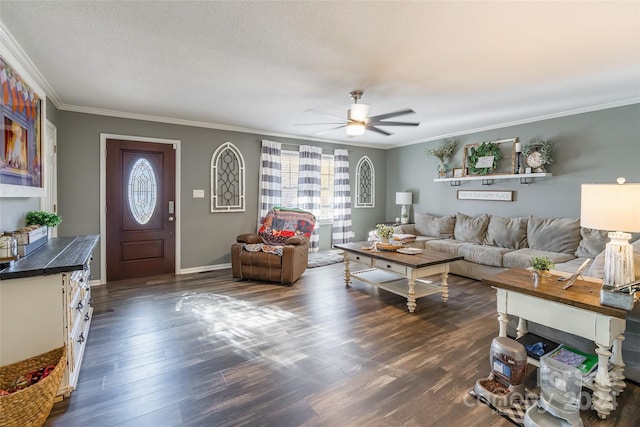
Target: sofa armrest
(249, 238)
(297, 240)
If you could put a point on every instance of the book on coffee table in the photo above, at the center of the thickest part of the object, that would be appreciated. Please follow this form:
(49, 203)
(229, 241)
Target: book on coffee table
(585, 362)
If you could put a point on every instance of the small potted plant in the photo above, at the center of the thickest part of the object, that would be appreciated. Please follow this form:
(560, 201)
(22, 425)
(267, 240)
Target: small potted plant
(43, 219)
(384, 232)
(541, 265)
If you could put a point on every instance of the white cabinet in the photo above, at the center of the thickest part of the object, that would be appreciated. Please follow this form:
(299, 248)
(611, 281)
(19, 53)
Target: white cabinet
(40, 312)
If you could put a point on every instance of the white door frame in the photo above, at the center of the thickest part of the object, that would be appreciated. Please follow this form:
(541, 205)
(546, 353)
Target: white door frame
(103, 195)
(49, 202)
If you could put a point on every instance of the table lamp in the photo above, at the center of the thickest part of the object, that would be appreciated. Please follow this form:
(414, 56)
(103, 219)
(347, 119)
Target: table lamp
(613, 207)
(404, 198)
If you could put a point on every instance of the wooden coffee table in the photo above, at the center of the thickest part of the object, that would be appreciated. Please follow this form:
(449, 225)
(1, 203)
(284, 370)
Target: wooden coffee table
(577, 311)
(399, 273)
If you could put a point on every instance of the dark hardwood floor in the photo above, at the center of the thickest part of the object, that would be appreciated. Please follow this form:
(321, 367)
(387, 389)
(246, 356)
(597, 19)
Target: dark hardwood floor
(208, 350)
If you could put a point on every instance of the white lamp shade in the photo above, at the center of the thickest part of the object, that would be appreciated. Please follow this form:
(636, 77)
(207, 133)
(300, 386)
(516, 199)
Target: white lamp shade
(358, 112)
(355, 129)
(611, 207)
(404, 198)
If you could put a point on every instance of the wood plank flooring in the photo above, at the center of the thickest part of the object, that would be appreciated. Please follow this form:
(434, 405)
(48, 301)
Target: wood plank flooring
(208, 350)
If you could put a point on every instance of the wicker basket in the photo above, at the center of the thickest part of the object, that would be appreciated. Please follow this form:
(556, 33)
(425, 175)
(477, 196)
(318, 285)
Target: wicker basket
(32, 405)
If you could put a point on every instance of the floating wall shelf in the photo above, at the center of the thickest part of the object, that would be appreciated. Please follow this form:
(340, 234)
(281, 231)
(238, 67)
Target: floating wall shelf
(525, 178)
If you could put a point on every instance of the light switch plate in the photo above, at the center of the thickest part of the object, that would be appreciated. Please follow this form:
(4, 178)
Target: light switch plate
(198, 194)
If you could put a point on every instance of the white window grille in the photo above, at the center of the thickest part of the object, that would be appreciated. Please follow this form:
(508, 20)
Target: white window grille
(227, 179)
(365, 184)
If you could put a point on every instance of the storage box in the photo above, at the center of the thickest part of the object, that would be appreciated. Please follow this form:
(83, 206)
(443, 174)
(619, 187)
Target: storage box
(28, 235)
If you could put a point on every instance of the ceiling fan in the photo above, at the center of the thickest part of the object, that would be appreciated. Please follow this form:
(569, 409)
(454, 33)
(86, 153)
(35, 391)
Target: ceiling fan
(358, 121)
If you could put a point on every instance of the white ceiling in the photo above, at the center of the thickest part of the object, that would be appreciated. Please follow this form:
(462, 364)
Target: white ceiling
(259, 66)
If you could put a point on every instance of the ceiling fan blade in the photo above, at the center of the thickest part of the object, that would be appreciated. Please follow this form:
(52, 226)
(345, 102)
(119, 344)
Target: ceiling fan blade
(379, 123)
(329, 130)
(324, 113)
(375, 129)
(390, 115)
(323, 123)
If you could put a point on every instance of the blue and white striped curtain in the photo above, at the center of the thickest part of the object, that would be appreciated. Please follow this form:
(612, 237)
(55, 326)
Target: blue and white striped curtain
(309, 180)
(270, 178)
(341, 231)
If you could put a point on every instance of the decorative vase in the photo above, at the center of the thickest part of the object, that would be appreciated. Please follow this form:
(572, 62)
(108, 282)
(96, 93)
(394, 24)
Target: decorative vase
(540, 274)
(442, 170)
(384, 240)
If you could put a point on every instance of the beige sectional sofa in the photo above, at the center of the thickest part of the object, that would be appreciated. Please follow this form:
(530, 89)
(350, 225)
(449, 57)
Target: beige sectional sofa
(491, 244)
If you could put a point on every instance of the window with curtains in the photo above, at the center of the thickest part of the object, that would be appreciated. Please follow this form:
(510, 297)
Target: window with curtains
(365, 184)
(289, 177)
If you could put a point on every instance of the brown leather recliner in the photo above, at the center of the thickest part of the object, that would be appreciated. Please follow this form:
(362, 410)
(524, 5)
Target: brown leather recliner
(280, 250)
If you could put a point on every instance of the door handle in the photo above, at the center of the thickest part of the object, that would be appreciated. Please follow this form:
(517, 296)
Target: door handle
(170, 218)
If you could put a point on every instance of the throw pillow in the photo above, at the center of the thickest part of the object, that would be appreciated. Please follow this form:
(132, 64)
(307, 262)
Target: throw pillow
(510, 233)
(433, 226)
(471, 229)
(554, 234)
(592, 243)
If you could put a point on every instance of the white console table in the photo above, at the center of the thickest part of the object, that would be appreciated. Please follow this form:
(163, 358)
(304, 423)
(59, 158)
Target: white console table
(45, 303)
(577, 311)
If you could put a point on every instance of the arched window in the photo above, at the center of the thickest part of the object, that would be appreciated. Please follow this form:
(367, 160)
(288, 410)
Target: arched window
(227, 179)
(365, 184)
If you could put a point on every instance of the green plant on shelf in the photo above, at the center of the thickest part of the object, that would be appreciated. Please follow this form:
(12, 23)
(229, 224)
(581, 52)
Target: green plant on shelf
(49, 219)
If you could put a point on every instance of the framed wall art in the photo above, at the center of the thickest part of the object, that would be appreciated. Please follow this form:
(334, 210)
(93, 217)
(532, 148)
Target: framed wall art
(496, 157)
(499, 196)
(21, 139)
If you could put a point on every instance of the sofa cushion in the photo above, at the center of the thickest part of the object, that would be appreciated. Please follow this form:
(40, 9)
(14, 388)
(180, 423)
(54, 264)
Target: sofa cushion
(507, 232)
(553, 234)
(482, 254)
(592, 243)
(471, 229)
(522, 257)
(433, 226)
(597, 266)
(447, 246)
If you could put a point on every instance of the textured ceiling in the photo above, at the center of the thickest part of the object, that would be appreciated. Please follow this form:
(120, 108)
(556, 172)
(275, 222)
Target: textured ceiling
(260, 66)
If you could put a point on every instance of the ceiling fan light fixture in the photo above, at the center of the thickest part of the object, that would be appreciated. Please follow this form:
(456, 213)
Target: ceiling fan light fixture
(355, 129)
(358, 112)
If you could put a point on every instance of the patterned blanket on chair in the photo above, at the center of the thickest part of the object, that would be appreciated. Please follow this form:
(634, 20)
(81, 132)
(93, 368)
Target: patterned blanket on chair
(282, 223)
(261, 247)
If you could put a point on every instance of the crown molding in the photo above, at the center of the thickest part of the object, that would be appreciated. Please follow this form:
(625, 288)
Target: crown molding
(193, 123)
(14, 49)
(566, 113)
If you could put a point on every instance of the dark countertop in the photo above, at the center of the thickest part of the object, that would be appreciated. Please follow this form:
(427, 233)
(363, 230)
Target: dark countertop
(58, 255)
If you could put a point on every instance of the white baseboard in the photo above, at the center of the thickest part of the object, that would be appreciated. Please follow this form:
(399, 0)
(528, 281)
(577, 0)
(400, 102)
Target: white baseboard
(96, 282)
(201, 269)
(204, 268)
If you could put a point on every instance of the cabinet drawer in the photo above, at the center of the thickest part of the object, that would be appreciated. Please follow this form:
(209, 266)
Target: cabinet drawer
(380, 263)
(77, 341)
(360, 258)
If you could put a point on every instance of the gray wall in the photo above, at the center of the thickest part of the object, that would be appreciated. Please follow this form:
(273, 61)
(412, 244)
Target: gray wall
(590, 147)
(593, 147)
(206, 237)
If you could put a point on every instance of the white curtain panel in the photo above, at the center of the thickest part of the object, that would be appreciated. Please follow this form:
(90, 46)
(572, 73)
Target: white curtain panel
(309, 180)
(269, 193)
(341, 231)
